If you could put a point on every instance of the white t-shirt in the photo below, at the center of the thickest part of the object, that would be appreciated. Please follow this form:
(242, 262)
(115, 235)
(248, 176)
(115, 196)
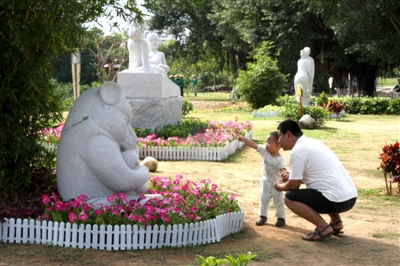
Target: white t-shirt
(271, 165)
(319, 168)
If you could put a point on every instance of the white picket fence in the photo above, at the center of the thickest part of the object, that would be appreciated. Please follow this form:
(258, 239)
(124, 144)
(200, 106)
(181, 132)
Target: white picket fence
(124, 237)
(193, 153)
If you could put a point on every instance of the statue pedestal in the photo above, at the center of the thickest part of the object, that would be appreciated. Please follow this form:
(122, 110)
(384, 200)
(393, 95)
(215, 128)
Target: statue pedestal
(155, 100)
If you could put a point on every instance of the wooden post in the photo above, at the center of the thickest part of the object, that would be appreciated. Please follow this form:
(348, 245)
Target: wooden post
(299, 91)
(301, 107)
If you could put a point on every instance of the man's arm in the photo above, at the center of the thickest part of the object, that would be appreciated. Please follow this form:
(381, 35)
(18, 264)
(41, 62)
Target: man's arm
(289, 185)
(248, 142)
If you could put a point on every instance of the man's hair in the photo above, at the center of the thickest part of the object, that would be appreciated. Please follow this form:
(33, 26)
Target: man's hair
(290, 125)
(275, 135)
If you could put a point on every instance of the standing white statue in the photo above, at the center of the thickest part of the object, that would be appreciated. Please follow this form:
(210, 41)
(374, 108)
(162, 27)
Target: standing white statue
(304, 76)
(138, 52)
(156, 57)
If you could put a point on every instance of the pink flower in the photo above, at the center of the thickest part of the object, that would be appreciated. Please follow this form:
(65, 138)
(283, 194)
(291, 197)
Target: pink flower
(121, 196)
(81, 198)
(72, 217)
(232, 197)
(110, 198)
(53, 196)
(179, 177)
(207, 196)
(59, 206)
(98, 212)
(165, 219)
(142, 196)
(86, 207)
(45, 199)
(83, 216)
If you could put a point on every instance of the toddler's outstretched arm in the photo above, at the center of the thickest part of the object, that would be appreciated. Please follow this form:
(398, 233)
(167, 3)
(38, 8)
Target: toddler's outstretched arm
(248, 142)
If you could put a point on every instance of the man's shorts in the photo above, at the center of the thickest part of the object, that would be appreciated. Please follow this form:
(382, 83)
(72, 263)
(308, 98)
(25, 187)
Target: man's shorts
(316, 201)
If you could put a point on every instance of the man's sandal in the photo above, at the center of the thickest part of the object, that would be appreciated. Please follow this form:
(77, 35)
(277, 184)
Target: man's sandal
(261, 221)
(336, 232)
(311, 236)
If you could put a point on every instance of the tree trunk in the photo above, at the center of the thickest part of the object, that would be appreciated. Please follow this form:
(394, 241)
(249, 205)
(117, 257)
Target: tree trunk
(366, 76)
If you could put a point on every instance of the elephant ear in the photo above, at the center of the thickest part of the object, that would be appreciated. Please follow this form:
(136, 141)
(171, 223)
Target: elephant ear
(110, 92)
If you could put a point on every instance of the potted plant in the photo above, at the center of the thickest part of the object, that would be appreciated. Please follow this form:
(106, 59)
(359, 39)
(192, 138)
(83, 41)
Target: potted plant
(390, 164)
(335, 107)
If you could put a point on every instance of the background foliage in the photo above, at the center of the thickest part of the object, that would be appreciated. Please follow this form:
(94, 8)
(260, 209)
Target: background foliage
(32, 33)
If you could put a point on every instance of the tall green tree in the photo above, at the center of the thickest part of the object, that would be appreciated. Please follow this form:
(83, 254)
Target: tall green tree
(188, 21)
(31, 34)
(369, 30)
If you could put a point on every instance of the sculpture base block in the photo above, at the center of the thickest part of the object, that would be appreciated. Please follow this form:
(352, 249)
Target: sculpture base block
(147, 85)
(156, 113)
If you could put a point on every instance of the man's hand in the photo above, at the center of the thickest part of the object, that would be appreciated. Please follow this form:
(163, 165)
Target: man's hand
(278, 185)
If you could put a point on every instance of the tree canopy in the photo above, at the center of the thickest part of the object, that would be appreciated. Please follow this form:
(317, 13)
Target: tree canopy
(31, 34)
(346, 36)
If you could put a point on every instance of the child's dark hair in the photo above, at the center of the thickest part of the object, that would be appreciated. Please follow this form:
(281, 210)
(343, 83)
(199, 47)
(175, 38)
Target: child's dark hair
(275, 135)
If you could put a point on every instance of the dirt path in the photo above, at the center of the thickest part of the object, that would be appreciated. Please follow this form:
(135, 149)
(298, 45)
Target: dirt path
(367, 239)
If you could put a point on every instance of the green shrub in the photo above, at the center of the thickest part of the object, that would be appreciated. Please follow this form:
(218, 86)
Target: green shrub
(281, 101)
(323, 99)
(143, 132)
(394, 107)
(352, 105)
(292, 111)
(188, 127)
(187, 107)
(261, 84)
(241, 260)
(368, 105)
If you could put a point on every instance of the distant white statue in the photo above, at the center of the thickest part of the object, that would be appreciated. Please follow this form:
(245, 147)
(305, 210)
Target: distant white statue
(138, 52)
(156, 57)
(304, 76)
(330, 82)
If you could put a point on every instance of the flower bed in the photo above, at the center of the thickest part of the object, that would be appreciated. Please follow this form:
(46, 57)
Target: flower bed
(193, 153)
(120, 237)
(187, 213)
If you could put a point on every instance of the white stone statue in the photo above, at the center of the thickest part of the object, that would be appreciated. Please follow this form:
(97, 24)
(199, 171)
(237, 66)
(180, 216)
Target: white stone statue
(156, 57)
(97, 154)
(138, 53)
(305, 75)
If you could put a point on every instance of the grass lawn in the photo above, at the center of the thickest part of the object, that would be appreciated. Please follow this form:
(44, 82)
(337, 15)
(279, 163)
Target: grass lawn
(207, 96)
(387, 81)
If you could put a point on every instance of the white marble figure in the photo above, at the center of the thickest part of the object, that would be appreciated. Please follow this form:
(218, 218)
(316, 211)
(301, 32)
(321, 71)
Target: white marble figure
(305, 75)
(97, 153)
(138, 52)
(156, 57)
